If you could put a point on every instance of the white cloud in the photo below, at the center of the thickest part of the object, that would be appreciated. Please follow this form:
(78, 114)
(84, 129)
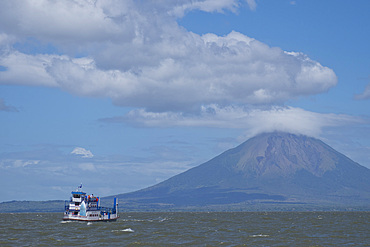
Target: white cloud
(23, 163)
(365, 94)
(87, 167)
(234, 69)
(18, 163)
(252, 120)
(23, 69)
(83, 152)
(53, 177)
(252, 4)
(204, 5)
(140, 57)
(80, 22)
(6, 40)
(61, 21)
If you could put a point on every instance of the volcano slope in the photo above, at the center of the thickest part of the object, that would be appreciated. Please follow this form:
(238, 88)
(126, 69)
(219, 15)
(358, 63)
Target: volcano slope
(277, 169)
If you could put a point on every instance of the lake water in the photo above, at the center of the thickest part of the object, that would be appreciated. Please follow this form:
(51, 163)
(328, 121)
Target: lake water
(190, 229)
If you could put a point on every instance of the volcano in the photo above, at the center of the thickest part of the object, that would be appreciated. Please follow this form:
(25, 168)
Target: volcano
(269, 169)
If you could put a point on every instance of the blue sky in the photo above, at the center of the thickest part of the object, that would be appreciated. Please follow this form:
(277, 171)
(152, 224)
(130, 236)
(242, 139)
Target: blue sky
(122, 95)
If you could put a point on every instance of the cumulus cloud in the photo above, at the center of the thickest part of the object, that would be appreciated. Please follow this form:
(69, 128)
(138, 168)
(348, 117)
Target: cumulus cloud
(140, 57)
(252, 120)
(67, 21)
(23, 69)
(82, 152)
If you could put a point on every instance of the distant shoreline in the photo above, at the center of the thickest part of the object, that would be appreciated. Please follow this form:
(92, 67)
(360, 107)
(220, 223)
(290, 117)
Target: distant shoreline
(57, 206)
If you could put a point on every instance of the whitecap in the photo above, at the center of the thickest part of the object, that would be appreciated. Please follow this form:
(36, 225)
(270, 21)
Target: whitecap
(124, 230)
(260, 235)
(135, 220)
(65, 221)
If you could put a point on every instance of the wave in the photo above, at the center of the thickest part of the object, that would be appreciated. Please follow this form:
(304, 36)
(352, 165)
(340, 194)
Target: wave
(65, 221)
(259, 235)
(124, 230)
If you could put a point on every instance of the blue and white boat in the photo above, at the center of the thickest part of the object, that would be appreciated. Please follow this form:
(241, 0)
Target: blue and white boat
(84, 207)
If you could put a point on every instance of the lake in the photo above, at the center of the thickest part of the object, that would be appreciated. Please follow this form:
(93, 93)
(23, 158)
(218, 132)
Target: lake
(190, 229)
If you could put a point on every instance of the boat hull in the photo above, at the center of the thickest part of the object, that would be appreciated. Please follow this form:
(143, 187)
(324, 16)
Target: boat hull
(86, 218)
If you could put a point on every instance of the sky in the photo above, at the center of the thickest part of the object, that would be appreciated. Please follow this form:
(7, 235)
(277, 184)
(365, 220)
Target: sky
(121, 95)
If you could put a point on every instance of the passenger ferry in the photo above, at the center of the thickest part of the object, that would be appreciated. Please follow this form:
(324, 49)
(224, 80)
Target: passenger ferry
(87, 208)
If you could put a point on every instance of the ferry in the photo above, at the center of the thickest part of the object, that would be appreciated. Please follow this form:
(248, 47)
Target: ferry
(82, 207)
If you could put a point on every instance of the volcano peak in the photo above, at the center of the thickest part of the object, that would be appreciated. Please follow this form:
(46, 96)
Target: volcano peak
(276, 167)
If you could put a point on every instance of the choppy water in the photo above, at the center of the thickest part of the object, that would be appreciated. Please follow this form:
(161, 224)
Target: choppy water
(190, 229)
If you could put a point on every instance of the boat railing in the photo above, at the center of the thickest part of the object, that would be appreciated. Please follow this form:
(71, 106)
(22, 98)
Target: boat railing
(66, 205)
(94, 206)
